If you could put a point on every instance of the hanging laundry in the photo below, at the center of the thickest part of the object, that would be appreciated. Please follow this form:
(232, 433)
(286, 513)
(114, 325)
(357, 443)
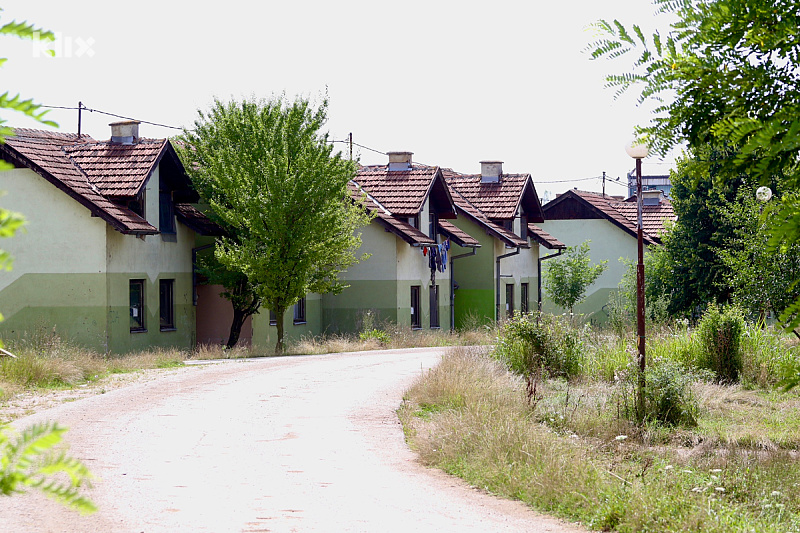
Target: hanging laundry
(424, 251)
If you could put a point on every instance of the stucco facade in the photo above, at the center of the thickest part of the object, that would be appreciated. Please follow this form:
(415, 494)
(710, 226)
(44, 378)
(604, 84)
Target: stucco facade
(72, 271)
(607, 242)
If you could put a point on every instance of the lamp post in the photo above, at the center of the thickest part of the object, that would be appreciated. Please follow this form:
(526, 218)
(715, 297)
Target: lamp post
(638, 152)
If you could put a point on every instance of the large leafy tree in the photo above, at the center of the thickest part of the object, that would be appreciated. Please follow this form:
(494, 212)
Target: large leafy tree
(567, 277)
(725, 73)
(758, 276)
(697, 273)
(269, 174)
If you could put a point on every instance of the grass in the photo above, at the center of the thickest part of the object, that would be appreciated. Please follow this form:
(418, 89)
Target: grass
(570, 451)
(47, 361)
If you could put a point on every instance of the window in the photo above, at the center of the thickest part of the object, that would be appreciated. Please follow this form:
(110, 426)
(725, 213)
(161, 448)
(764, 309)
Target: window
(166, 213)
(510, 300)
(136, 291)
(166, 292)
(412, 221)
(433, 221)
(416, 321)
(523, 227)
(300, 311)
(523, 296)
(273, 320)
(434, 306)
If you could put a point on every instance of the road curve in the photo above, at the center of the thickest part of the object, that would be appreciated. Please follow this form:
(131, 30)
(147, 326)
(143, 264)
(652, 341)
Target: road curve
(308, 443)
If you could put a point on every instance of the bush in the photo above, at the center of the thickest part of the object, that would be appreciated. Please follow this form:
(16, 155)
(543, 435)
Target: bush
(720, 335)
(378, 334)
(668, 396)
(531, 343)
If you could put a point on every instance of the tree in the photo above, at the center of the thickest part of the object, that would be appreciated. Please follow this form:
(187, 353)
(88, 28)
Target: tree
(567, 277)
(757, 275)
(725, 74)
(697, 275)
(270, 177)
(238, 290)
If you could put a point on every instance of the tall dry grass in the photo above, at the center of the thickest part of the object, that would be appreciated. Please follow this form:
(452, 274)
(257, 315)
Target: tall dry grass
(563, 455)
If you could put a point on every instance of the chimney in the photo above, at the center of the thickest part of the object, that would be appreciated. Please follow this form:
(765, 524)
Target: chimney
(652, 197)
(400, 161)
(491, 171)
(125, 132)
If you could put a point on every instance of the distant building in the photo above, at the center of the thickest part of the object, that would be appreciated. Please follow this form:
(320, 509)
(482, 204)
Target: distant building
(660, 182)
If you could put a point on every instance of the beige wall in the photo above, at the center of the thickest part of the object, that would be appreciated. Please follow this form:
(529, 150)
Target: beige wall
(608, 242)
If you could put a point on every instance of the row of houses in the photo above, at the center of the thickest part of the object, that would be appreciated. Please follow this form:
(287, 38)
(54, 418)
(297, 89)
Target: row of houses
(113, 235)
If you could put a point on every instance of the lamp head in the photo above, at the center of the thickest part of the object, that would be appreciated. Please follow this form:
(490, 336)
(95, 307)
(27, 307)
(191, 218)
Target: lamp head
(636, 150)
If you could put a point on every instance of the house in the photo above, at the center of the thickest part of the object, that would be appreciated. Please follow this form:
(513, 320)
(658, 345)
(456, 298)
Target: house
(500, 210)
(107, 251)
(610, 224)
(404, 281)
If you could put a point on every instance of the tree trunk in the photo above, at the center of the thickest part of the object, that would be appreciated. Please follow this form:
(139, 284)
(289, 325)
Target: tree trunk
(279, 322)
(239, 316)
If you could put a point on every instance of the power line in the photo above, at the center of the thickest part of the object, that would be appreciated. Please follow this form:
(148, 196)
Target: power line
(84, 108)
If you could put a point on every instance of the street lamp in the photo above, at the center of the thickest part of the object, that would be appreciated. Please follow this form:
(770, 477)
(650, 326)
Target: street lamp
(638, 152)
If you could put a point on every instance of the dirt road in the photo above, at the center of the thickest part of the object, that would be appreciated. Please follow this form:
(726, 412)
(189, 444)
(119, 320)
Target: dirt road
(306, 443)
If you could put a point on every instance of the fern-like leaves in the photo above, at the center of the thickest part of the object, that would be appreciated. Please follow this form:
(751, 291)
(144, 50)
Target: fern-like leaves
(31, 459)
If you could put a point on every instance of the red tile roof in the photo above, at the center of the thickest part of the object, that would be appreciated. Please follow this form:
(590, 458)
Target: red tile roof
(544, 238)
(457, 235)
(621, 213)
(653, 216)
(117, 170)
(466, 207)
(46, 153)
(400, 192)
(402, 229)
(197, 221)
(496, 200)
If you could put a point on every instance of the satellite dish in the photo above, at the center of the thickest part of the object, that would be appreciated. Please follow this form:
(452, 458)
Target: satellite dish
(764, 194)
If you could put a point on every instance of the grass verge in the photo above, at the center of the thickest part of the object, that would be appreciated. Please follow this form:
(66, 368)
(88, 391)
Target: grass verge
(471, 417)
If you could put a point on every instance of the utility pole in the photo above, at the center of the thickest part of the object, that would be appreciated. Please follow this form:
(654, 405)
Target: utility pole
(351, 146)
(80, 105)
(604, 183)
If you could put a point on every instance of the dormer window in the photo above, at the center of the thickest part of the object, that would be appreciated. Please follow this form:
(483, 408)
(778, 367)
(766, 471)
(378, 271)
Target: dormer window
(413, 222)
(166, 213)
(137, 204)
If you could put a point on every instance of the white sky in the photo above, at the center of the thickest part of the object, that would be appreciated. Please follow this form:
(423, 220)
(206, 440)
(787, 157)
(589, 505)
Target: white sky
(453, 82)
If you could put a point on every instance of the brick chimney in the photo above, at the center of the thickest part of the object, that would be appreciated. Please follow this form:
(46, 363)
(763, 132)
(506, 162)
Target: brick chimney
(125, 132)
(400, 161)
(491, 171)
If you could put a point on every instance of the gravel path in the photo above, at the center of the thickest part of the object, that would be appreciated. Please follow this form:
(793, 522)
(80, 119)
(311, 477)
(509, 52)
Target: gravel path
(308, 443)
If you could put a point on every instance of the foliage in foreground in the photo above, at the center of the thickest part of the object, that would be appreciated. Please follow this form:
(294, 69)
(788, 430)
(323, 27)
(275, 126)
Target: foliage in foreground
(469, 416)
(31, 460)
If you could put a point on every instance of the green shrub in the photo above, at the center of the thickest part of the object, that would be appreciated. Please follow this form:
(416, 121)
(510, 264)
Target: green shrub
(377, 334)
(668, 396)
(720, 335)
(531, 343)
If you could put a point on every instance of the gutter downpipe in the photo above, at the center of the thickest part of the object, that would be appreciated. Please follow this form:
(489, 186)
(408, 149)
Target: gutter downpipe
(497, 289)
(452, 287)
(539, 278)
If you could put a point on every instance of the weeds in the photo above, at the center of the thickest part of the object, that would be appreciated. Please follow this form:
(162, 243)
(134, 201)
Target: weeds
(570, 455)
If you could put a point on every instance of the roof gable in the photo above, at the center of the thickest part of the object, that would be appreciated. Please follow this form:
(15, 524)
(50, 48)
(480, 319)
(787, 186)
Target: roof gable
(93, 172)
(583, 205)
